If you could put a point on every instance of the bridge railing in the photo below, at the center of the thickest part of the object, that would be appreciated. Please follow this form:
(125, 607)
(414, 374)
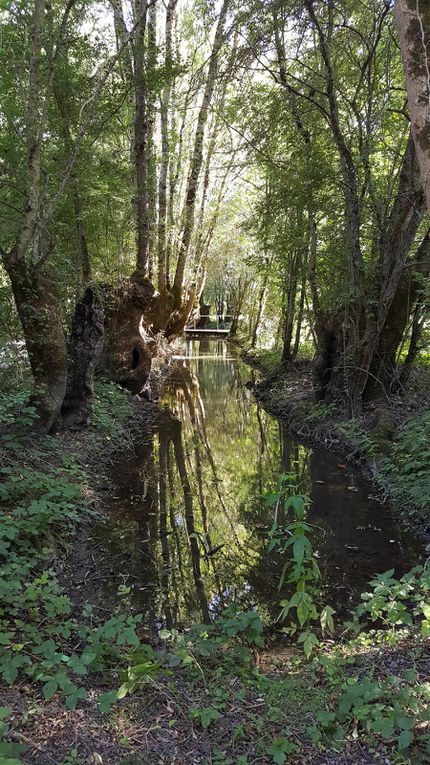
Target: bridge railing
(215, 322)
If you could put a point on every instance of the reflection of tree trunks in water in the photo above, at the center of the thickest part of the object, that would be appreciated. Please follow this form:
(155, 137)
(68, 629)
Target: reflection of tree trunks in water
(286, 446)
(173, 526)
(189, 521)
(261, 449)
(148, 532)
(162, 471)
(211, 460)
(204, 510)
(290, 458)
(188, 383)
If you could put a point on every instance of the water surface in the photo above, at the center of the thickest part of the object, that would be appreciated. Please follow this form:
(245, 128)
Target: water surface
(188, 525)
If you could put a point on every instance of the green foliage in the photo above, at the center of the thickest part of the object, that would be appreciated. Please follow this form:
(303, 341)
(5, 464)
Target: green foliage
(392, 709)
(14, 404)
(407, 465)
(266, 360)
(291, 538)
(357, 436)
(42, 499)
(111, 409)
(8, 750)
(322, 411)
(280, 748)
(396, 603)
(206, 716)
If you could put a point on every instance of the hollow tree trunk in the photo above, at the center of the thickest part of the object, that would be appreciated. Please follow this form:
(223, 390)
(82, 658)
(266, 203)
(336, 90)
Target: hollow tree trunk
(38, 308)
(126, 358)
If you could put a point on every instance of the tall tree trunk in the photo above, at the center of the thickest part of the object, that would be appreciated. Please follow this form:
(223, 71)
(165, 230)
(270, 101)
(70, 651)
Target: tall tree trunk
(151, 66)
(420, 313)
(164, 169)
(141, 139)
(300, 312)
(39, 311)
(197, 155)
(413, 25)
(83, 256)
(260, 307)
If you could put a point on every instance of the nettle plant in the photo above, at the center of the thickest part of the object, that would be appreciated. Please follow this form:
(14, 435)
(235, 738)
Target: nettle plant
(290, 535)
(397, 603)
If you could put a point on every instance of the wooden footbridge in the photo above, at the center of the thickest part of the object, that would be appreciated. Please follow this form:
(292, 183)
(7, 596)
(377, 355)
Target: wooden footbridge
(215, 326)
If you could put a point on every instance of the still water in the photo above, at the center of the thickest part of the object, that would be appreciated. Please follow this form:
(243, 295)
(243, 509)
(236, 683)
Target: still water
(187, 530)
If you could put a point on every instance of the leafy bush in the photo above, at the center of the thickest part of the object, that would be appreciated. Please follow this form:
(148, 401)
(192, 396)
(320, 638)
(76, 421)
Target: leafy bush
(408, 465)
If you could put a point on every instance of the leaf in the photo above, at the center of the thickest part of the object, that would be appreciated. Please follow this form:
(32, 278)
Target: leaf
(299, 549)
(326, 619)
(279, 749)
(106, 700)
(10, 673)
(49, 689)
(405, 739)
(270, 498)
(209, 715)
(73, 698)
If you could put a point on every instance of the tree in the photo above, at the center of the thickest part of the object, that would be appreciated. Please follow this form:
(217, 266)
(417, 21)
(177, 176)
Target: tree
(413, 25)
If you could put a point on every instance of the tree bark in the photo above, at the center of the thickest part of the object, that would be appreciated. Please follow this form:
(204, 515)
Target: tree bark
(164, 169)
(413, 24)
(141, 141)
(197, 155)
(38, 308)
(85, 346)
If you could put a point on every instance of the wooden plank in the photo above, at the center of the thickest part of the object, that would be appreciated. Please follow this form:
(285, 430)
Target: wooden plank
(192, 331)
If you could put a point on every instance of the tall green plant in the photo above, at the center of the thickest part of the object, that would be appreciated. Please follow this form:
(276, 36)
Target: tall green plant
(290, 535)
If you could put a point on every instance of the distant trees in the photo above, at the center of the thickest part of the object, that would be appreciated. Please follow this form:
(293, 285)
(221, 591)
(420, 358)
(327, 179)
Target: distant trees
(345, 187)
(264, 151)
(87, 171)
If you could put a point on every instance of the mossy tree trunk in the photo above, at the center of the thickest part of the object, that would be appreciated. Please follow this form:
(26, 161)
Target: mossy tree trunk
(38, 308)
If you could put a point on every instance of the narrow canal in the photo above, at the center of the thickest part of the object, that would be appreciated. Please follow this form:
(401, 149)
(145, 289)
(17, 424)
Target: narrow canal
(187, 530)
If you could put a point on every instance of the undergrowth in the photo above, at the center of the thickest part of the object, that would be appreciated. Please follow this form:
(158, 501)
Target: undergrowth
(407, 465)
(79, 659)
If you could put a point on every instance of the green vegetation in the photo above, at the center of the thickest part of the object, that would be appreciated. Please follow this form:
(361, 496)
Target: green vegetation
(208, 675)
(406, 466)
(257, 166)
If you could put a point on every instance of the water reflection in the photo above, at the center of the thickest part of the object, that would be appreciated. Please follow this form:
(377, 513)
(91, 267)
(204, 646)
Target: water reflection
(188, 524)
